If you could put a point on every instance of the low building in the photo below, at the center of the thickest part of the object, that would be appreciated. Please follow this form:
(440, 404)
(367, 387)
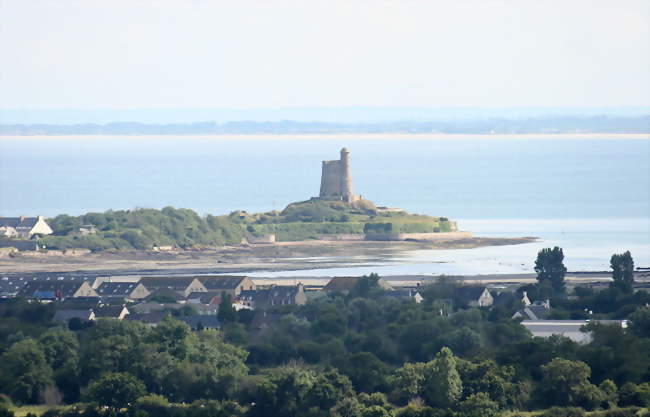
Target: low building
(209, 297)
(150, 319)
(64, 316)
(539, 310)
(56, 289)
(405, 294)
(344, 285)
(10, 286)
(111, 312)
(182, 285)
(24, 227)
(472, 296)
(127, 290)
(276, 295)
(229, 284)
(567, 328)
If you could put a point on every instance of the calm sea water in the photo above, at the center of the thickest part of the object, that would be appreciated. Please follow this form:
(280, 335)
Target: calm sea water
(590, 196)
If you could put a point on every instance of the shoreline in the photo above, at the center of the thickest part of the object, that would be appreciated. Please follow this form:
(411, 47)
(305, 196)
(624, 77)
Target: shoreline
(347, 136)
(241, 259)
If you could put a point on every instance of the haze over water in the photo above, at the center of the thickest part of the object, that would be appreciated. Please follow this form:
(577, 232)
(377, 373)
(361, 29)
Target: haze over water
(590, 196)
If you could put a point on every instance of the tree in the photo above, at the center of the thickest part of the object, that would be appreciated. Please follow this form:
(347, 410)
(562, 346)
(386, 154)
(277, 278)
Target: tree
(24, 372)
(115, 389)
(622, 271)
(227, 312)
(564, 382)
(479, 405)
(550, 269)
(443, 386)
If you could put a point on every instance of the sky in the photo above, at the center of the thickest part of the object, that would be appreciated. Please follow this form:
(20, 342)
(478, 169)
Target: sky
(274, 54)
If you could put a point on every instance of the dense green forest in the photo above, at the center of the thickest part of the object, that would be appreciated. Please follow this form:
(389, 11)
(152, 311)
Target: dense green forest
(357, 355)
(183, 228)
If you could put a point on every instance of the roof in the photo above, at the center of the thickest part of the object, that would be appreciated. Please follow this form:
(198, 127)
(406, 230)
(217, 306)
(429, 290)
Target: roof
(567, 328)
(166, 293)
(206, 321)
(108, 311)
(276, 295)
(65, 288)
(345, 284)
(18, 222)
(11, 285)
(540, 312)
(176, 283)
(221, 282)
(400, 293)
(469, 292)
(148, 318)
(67, 315)
(145, 307)
(116, 289)
(204, 297)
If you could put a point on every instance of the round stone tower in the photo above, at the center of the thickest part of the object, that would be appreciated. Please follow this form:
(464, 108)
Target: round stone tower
(346, 176)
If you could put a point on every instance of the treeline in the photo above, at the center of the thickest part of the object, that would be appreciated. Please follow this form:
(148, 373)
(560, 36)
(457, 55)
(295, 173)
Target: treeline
(143, 229)
(364, 354)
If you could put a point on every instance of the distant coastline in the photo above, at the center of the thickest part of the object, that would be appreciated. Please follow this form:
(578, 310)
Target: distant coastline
(351, 136)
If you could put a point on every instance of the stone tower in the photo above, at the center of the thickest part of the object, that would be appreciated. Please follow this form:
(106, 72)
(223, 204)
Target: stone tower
(336, 180)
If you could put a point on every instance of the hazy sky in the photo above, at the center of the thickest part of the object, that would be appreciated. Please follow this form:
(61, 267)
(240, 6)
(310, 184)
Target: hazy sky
(270, 53)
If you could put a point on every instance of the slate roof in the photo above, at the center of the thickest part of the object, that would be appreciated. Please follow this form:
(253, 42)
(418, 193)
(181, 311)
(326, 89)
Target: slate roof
(274, 296)
(18, 222)
(10, 286)
(345, 284)
(66, 315)
(172, 283)
(206, 321)
(108, 311)
(204, 297)
(148, 318)
(116, 289)
(468, 292)
(400, 293)
(40, 288)
(221, 282)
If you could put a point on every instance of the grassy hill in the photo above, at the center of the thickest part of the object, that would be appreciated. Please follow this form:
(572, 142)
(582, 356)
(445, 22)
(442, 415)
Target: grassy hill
(184, 228)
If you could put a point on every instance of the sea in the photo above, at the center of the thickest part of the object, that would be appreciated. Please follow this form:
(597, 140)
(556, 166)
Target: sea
(588, 195)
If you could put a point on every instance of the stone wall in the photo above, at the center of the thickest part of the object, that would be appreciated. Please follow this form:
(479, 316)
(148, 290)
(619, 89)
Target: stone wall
(442, 236)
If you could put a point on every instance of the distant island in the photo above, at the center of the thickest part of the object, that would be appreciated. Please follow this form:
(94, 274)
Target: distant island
(539, 125)
(336, 214)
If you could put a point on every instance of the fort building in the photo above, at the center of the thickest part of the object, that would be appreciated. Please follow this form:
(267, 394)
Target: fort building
(336, 180)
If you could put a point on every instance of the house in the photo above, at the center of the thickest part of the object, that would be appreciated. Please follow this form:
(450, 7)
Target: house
(566, 328)
(110, 312)
(405, 294)
(87, 229)
(56, 289)
(128, 290)
(229, 284)
(539, 310)
(64, 316)
(150, 319)
(10, 286)
(182, 285)
(201, 322)
(276, 295)
(344, 285)
(472, 296)
(209, 297)
(24, 227)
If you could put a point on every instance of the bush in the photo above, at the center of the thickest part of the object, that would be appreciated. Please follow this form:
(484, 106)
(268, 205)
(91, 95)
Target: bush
(563, 412)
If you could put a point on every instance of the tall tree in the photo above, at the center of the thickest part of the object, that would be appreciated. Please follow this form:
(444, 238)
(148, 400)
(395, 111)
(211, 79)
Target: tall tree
(24, 372)
(443, 386)
(550, 269)
(622, 271)
(226, 312)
